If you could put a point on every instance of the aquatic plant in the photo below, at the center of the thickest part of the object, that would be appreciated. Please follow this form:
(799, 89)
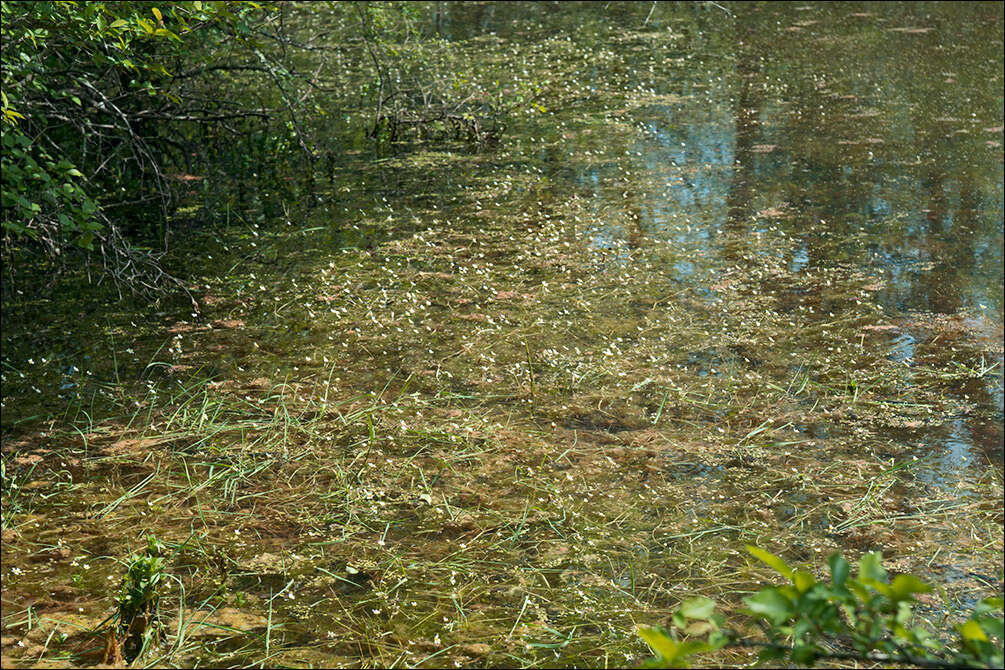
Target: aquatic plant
(15, 500)
(136, 624)
(866, 618)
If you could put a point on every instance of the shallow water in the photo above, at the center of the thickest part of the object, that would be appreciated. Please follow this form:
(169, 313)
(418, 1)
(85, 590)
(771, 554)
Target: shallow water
(738, 257)
(869, 136)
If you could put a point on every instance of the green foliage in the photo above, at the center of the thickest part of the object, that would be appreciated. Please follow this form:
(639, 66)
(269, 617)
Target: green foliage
(93, 104)
(14, 497)
(694, 616)
(866, 617)
(116, 115)
(42, 195)
(136, 623)
(62, 62)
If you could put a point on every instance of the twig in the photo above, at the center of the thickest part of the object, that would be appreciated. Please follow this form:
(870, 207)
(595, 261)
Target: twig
(650, 15)
(716, 4)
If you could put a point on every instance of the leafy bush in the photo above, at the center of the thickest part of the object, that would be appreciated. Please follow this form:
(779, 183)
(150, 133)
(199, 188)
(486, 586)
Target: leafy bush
(117, 117)
(866, 617)
(74, 75)
(102, 104)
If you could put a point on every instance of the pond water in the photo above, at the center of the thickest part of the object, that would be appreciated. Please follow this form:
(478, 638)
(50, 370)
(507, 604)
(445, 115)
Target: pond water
(736, 278)
(868, 136)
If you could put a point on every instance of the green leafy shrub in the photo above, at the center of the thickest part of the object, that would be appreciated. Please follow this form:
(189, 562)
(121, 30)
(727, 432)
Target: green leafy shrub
(71, 73)
(103, 105)
(865, 617)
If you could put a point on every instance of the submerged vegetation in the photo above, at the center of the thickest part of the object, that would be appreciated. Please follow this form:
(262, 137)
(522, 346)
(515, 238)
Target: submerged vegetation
(514, 324)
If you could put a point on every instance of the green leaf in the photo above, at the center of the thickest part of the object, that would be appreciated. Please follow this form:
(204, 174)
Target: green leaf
(718, 639)
(671, 653)
(840, 568)
(665, 646)
(995, 602)
(904, 587)
(993, 626)
(686, 649)
(803, 626)
(164, 32)
(803, 580)
(858, 589)
(880, 586)
(771, 604)
(971, 630)
(771, 560)
(870, 567)
(699, 607)
(904, 612)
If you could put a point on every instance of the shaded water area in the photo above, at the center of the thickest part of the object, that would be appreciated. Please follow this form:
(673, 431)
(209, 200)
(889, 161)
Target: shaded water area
(736, 279)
